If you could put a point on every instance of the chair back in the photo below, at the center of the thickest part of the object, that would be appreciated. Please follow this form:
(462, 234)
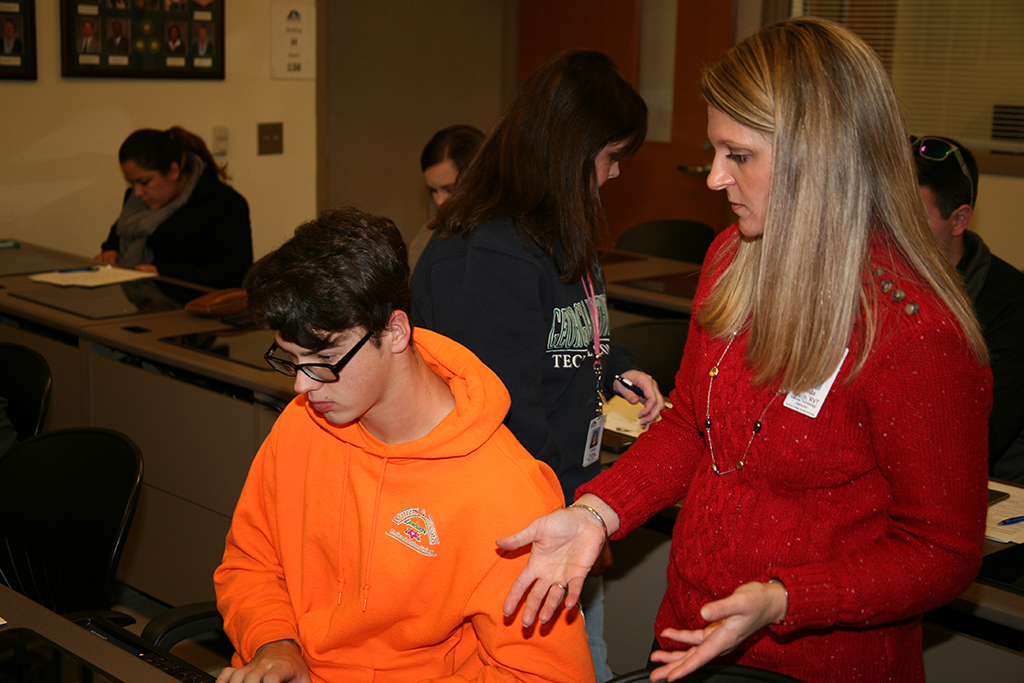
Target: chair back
(680, 240)
(67, 499)
(25, 383)
(657, 347)
(716, 673)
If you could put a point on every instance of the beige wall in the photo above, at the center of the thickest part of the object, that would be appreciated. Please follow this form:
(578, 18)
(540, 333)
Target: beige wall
(60, 183)
(398, 72)
(998, 216)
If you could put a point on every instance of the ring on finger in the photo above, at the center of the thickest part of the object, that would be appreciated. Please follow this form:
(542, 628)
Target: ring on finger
(563, 587)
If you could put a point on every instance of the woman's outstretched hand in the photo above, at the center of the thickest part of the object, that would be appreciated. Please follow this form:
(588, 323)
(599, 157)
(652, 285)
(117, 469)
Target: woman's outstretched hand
(566, 543)
(731, 620)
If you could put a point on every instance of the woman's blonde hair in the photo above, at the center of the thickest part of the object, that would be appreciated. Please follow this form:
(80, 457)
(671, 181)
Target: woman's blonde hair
(841, 171)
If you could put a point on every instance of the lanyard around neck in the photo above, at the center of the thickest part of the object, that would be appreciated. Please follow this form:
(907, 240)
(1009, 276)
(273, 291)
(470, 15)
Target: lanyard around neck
(595, 319)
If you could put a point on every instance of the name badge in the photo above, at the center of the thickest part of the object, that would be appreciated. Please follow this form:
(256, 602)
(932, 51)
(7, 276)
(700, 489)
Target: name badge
(593, 452)
(809, 403)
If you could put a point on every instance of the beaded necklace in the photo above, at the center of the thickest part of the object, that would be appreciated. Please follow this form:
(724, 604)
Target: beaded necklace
(755, 430)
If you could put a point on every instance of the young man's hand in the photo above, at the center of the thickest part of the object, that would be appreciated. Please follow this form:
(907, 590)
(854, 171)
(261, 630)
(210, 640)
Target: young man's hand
(277, 662)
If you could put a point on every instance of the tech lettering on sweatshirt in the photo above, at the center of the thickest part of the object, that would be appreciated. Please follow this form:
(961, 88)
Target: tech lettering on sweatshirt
(570, 340)
(415, 529)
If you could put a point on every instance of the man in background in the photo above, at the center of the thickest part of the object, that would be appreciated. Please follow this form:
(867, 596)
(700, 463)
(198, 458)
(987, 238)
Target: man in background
(948, 178)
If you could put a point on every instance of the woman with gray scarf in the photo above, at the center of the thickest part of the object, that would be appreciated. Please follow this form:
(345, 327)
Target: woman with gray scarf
(179, 218)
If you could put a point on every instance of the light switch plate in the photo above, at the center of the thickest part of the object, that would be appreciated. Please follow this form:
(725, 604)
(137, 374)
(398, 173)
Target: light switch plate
(271, 138)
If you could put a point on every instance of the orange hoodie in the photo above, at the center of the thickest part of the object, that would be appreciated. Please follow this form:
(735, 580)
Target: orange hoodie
(379, 560)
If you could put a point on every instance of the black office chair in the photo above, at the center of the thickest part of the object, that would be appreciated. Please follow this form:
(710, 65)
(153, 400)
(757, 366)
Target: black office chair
(67, 499)
(681, 240)
(25, 383)
(657, 347)
(169, 628)
(716, 673)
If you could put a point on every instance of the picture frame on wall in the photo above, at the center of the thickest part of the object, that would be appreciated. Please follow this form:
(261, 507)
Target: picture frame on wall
(17, 39)
(142, 38)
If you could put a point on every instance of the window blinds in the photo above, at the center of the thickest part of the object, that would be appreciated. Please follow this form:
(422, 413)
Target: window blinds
(958, 65)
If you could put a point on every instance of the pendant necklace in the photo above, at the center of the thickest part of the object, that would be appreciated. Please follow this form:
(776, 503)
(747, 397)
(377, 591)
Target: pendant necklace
(755, 430)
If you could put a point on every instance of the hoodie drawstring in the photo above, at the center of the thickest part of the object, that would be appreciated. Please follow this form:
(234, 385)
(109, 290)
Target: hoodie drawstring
(341, 529)
(373, 534)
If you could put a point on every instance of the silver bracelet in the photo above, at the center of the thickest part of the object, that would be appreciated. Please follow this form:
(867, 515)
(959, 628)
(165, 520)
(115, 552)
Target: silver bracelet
(786, 591)
(596, 514)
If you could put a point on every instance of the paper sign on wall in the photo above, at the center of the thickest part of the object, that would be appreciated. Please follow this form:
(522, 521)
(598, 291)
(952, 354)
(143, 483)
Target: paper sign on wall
(293, 40)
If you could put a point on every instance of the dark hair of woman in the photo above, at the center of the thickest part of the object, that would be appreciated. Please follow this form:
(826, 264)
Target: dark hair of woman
(537, 165)
(454, 142)
(156, 150)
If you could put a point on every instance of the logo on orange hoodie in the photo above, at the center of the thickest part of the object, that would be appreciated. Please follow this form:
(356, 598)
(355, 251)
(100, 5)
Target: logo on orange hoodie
(415, 529)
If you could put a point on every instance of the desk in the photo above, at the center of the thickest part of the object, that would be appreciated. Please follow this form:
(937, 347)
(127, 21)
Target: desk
(197, 417)
(651, 282)
(20, 612)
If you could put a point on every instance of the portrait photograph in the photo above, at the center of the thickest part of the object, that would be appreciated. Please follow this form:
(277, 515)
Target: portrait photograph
(128, 38)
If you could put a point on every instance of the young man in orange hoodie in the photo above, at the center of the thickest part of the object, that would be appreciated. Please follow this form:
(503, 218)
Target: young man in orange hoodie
(362, 547)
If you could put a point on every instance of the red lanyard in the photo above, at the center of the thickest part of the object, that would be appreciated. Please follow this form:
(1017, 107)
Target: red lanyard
(596, 326)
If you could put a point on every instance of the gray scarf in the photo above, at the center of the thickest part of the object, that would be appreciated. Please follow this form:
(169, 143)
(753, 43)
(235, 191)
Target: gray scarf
(137, 221)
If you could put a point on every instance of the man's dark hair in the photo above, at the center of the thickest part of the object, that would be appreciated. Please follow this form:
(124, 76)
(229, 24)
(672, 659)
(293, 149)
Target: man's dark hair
(344, 269)
(947, 180)
(457, 143)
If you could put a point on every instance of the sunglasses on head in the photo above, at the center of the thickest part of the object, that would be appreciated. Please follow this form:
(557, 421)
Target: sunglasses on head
(937, 149)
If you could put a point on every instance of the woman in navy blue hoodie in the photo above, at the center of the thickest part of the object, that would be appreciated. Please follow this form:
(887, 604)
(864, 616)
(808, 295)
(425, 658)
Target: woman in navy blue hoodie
(512, 271)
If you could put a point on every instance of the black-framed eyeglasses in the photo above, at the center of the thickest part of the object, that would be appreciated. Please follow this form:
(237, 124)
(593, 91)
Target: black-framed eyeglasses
(937, 149)
(321, 372)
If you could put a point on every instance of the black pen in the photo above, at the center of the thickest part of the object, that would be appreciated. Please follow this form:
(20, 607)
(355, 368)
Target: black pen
(632, 387)
(1011, 520)
(78, 270)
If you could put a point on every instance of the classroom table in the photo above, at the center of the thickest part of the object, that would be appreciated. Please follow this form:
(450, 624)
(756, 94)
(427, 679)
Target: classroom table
(167, 379)
(659, 286)
(119, 666)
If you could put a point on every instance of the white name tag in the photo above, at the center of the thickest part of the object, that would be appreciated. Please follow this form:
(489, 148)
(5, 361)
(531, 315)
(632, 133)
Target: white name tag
(593, 452)
(809, 403)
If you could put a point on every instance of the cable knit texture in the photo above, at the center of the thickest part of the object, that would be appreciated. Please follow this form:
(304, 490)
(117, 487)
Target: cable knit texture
(870, 514)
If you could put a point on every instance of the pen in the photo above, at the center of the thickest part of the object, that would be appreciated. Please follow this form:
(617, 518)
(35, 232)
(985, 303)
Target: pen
(78, 270)
(632, 387)
(1011, 520)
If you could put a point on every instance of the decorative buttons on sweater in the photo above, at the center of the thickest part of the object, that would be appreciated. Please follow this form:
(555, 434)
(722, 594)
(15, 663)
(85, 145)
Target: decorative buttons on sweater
(898, 295)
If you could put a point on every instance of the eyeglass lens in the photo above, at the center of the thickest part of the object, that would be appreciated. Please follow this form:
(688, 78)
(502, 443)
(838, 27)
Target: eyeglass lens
(321, 372)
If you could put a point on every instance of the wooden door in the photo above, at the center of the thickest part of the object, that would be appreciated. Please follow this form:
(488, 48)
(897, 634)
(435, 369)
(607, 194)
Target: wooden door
(651, 186)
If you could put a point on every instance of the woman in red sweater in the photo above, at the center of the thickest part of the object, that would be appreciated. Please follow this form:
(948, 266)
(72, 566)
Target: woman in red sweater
(828, 429)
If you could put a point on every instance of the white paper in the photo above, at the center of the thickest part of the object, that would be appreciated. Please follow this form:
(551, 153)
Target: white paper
(1004, 509)
(102, 275)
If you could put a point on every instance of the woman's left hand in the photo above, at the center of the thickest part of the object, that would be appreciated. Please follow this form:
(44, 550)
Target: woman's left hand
(654, 402)
(732, 620)
(146, 268)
